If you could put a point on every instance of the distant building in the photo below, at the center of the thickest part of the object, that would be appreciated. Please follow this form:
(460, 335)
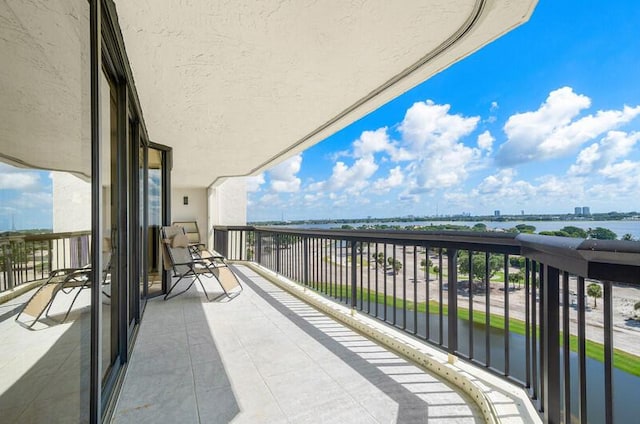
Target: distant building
(522, 212)
(586, 211)
(578, 210)
(496, 212)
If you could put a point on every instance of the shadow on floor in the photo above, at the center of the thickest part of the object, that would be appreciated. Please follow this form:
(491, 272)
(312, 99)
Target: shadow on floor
(411, 407)
(55, 388)
(176, 373)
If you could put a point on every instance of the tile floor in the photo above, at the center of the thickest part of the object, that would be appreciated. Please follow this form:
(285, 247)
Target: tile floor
(266, 357)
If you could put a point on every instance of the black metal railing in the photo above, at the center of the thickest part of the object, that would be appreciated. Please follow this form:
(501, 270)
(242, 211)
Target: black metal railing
(32, 257)
(513, 303)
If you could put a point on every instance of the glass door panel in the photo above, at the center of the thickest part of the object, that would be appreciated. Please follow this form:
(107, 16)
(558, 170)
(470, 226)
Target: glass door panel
(155, 218)
(109, 223)
(142, 227)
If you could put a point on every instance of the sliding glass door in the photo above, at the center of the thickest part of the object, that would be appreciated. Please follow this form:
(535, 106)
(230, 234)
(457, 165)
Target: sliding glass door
(157, 216)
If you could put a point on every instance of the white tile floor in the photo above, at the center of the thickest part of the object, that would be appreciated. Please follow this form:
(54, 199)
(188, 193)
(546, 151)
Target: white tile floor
(266, 357)
(44, 370)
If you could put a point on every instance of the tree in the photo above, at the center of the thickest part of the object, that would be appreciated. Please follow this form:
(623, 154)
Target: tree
(602, 234)
(524, 228)
(426, 263)
(379, 258)
(627, 237)
(557, 233)
(395, 264)
(594, 290)
(517, 261)
(516, 278)
(479, 227)
(495, 263)
(574, 231)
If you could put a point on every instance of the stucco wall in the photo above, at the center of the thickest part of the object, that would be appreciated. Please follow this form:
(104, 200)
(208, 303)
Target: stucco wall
(228, 204)
(196, 210)
(71, 203)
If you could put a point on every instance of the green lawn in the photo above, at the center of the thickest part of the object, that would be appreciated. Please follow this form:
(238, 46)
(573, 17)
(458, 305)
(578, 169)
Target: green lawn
(622, 360)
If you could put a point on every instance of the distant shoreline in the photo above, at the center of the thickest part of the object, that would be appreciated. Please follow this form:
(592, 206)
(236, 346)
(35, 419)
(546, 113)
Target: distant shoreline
(609, 216)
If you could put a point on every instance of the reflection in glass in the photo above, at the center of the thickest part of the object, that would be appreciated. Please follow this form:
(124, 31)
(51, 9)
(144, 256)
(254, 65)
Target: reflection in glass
(45, 191)
(109, 217)
(142, 253)
(155, 219)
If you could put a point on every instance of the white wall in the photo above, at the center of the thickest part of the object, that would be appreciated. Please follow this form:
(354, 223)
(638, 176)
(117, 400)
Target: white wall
(228, 204)
(71, 203)
(196, 210)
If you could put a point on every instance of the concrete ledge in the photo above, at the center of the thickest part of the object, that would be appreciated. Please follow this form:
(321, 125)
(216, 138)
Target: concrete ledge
(497, 399)
(8, 295)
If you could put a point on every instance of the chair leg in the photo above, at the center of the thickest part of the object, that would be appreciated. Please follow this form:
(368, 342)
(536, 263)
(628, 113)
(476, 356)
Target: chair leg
(73, 301)
(204, 289)
(166, 296)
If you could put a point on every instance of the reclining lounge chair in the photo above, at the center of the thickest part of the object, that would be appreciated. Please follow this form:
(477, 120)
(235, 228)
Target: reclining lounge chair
(64, 280)
(179, 256)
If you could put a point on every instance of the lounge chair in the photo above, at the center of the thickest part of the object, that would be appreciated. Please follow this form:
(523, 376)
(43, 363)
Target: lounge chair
(64, 280)
(193, 233)
(178, 256)
(60, 280)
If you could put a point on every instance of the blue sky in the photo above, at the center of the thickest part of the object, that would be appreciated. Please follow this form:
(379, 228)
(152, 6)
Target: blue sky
(543, 119)
(25, 198)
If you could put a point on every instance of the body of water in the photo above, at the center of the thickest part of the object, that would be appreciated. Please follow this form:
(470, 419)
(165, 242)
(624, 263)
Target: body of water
(626, 386)
(618, 227)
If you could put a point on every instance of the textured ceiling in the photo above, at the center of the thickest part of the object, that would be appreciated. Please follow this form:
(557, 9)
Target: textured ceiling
(236, 86)
(233, 86)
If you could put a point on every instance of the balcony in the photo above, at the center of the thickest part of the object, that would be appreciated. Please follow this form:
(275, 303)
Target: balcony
(335, 325)
(576, 360)
(269, 357)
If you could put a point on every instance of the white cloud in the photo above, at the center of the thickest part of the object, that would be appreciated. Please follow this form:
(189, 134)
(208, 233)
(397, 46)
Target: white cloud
(554, 130)
(254, 182)
(283, 176)
(615, 145)
(353, 178)
(559, 187)
(485, 141)
(12, 178)
(502, 186)
(30, 200)
(394, 179)
(620, 171)
(433, 137)
(428, 124)
(371, 142)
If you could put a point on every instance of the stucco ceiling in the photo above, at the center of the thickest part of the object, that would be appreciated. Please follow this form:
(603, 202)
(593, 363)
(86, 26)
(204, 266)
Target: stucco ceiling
(233, 86)
(236, 86)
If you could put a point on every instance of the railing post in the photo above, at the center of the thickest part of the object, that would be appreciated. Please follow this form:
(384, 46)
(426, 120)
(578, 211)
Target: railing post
(8, 266)
(277, 239)
(258, 240)
(50, 256)
(551, 350)
(452, 307)
(608, 352)
(306, 262)
(354, 275)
